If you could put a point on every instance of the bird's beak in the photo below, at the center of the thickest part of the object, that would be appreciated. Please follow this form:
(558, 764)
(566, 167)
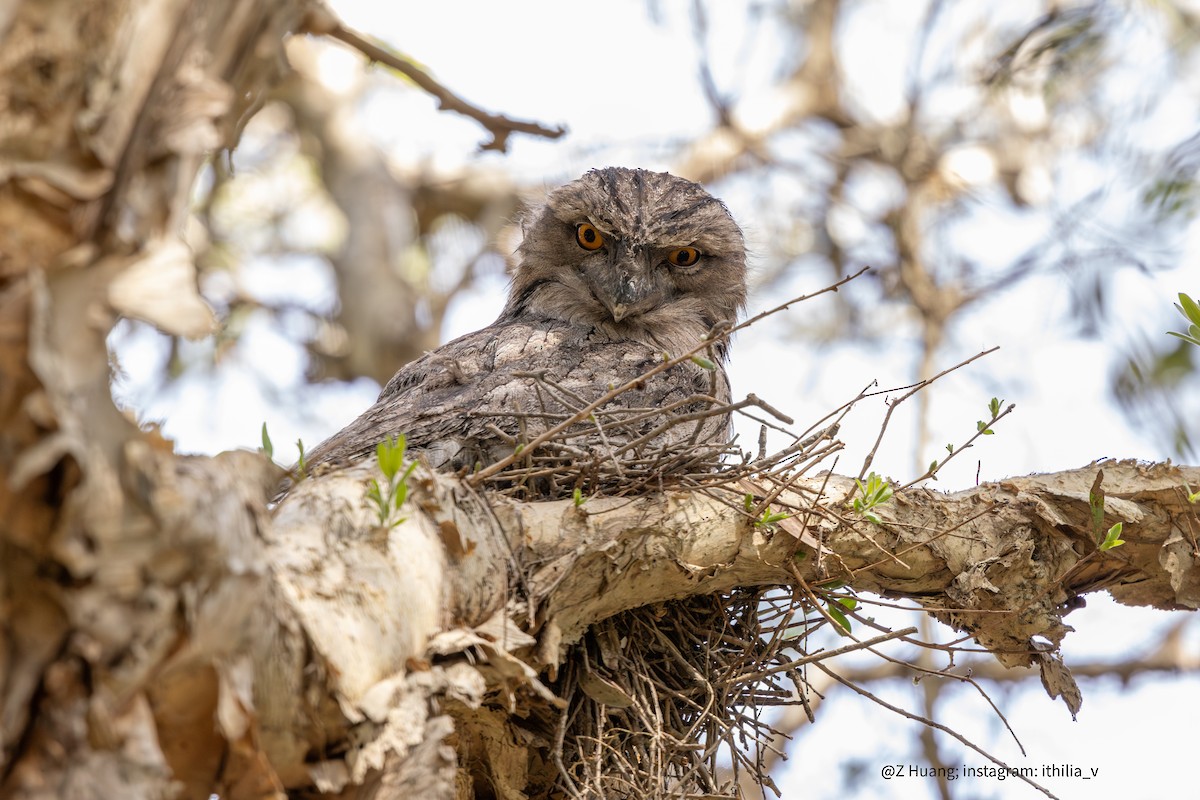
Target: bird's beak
(625, 298)
(625, 288)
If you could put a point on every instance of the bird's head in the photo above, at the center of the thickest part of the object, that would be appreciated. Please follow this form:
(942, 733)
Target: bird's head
(640, 255)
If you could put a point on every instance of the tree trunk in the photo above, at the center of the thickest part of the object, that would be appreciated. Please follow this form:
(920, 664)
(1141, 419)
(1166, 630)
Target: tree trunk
(166, 634)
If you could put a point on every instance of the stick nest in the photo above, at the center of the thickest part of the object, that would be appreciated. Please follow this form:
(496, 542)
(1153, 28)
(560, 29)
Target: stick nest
(668, 701)
(617, 449)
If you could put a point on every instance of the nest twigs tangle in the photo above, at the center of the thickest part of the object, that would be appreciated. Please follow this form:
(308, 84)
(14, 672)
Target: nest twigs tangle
(589, 409)
(669, 700)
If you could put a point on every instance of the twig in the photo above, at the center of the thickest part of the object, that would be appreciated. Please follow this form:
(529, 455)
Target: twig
(915, 388)
(498, 125)
(824, 654)
(935, 725)
(961, 448)
(939, 673)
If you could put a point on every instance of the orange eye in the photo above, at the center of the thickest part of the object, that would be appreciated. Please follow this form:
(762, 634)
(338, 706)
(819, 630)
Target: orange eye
(588, 237)
(683, 256)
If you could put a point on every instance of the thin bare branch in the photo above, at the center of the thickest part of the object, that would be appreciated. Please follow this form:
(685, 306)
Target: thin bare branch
(498, 125)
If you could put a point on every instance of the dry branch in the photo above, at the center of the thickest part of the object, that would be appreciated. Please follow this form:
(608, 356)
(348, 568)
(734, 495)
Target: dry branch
(498, 125)
(1007, 575)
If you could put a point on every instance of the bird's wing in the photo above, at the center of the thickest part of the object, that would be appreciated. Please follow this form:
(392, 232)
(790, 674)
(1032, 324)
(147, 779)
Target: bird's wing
(472, 400)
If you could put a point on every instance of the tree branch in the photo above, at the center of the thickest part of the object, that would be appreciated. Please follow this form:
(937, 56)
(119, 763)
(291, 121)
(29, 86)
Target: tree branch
(499, 126)
(374, 603)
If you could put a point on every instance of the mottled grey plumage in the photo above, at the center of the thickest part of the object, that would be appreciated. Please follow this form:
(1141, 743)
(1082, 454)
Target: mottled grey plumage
(588, 309)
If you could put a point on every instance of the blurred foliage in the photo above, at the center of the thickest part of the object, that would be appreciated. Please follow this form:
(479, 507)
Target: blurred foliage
(958, 148)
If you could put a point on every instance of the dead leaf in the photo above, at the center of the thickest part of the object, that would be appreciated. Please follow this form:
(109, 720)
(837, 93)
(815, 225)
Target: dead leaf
(160, 288)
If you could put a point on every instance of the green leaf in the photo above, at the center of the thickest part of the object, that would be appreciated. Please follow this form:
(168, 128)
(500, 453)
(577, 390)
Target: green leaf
(933, 465)
(748, 501)
(950, 448)
(982, 427)
(875, 492)
(390, 453)
(843, 622)
(578, 497)
(849, 602)
(1113, 537)
(375, 495)
(994, 407)
(1191, 312)
(703, 363)
(267, 447)
(1193, 339)
(770, 518)
(1189, 308)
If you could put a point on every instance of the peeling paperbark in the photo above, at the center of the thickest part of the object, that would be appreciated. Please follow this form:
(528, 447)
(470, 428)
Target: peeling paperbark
(118, 623)
(442, 605)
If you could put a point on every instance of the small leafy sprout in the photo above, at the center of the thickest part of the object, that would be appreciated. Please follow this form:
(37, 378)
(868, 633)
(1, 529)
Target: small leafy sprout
(994, 408)
(267, 448)
(390, 453)
(1191, 312)
(834, 606)
(748, 500)
(933, 465)
(390, 496)
(769, 518)
(1192, 497)
(950, 448)
(578, 498)
(876, 492)
(703, 363)
(301, 464)
(1113, 537)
